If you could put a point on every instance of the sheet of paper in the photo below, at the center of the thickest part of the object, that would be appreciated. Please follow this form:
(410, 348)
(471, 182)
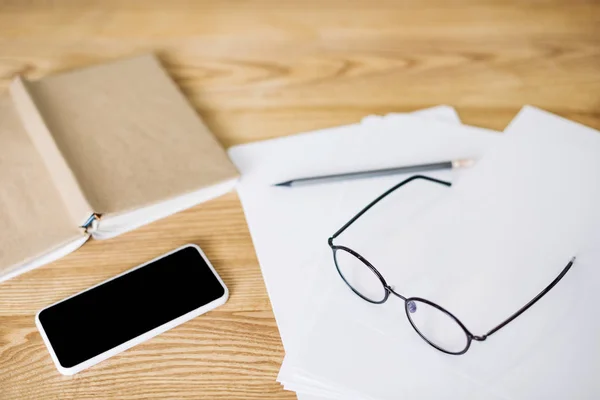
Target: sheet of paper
(307, 388)
(289, 225)
(296, 222)
(506, 231)
(400, 209)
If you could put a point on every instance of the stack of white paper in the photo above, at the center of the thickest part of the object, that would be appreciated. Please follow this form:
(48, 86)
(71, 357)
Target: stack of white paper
(482, 249)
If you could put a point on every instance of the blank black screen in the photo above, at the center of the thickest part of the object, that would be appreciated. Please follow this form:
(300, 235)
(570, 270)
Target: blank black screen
(106, 316)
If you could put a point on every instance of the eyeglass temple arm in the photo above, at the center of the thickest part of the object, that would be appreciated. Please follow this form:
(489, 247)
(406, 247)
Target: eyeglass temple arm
(378, 199)
(528, 305)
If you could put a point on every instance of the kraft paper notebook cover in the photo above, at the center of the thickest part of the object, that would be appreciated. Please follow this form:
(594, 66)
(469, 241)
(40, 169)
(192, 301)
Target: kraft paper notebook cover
(98, 151)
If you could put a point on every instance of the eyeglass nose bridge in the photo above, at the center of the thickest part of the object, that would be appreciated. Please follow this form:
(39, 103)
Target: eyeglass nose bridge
(390, 289)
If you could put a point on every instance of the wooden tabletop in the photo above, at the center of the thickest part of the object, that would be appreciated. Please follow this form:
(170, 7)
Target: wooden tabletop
(257, 70)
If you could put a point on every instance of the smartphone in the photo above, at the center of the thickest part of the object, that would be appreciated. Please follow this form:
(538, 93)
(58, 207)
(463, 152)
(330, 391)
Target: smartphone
(115, 315)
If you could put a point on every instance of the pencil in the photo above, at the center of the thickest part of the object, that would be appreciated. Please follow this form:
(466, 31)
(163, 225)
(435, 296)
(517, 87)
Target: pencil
(463, 163)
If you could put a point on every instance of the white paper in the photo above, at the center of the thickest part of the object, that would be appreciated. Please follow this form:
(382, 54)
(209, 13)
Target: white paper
(289, 225)
(507, 229)
(299, 225)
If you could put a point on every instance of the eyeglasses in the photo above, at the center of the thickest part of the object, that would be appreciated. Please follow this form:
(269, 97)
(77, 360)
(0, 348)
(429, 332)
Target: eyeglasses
(436, 325)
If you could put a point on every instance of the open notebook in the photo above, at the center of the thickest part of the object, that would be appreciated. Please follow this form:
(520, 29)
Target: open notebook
(98, 151)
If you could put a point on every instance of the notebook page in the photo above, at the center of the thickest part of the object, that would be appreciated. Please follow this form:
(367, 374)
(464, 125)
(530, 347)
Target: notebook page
(33, 219)
(129, 135)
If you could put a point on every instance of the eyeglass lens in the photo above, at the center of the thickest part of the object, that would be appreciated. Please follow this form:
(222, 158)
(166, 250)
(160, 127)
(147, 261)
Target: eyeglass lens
(359, 276)
(436, 326)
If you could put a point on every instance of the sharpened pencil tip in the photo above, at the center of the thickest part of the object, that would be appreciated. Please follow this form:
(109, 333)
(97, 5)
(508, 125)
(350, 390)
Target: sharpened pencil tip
(284, 184)
(573, 259)
(464, 163)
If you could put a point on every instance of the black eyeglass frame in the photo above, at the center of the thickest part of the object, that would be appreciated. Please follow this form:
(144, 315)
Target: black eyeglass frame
(407, 301)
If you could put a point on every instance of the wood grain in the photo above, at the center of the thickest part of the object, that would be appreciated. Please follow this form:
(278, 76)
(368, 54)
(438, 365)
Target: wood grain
(256, 70)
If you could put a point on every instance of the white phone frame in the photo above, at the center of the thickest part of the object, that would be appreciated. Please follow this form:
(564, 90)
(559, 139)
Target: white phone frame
(143, 337)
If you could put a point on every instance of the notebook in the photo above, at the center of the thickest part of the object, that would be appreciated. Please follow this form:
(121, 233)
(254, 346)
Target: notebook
(98, 152)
